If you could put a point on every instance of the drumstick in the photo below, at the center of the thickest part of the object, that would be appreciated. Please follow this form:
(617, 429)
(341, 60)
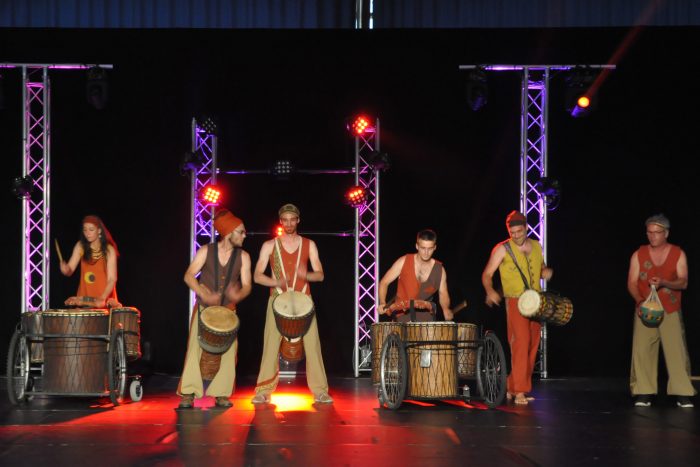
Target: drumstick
(462, 305)
(58, 250)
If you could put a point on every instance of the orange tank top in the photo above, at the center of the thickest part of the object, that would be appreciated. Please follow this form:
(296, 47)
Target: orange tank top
(670, 299)
(93, 278)
(409, 288)
(289, 261)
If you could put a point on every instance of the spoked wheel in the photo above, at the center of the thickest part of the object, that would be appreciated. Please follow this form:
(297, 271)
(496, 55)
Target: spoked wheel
(117, 367)
(491, 371)
(17, 368)
(393, 369)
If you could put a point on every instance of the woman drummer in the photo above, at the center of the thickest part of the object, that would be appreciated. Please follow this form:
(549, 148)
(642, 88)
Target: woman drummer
(97, 254)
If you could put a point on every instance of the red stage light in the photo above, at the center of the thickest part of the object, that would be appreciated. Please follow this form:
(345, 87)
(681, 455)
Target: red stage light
(356, 196)
(210, 195)
(360, 125)
(279, 231)
(583, 102)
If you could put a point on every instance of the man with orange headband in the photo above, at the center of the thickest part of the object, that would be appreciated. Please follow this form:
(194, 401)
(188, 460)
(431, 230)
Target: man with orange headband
(420, 277)
(225, 281)
(97, 253)
(517, 260)
(288, 256)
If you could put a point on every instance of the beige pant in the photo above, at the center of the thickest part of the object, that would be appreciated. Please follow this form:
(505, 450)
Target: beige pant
(269, 366)
(645, 357)
(191, 380)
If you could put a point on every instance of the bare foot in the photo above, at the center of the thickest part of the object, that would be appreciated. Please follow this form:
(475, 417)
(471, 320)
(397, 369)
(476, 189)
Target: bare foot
(520, 399)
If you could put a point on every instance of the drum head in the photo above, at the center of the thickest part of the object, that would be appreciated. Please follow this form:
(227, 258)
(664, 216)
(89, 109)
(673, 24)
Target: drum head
(219, 318)
(529, 303)
(292, 304)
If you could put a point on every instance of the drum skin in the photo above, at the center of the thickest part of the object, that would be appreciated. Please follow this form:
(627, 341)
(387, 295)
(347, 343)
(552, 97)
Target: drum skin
(293, 313)
(218, 328)
(74, 363)
(545, 306)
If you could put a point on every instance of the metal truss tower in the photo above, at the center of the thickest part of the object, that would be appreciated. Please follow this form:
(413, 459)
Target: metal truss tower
(366, 247)
(204, 149)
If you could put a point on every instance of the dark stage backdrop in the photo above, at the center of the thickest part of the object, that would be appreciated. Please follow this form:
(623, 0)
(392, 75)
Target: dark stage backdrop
(287, 95)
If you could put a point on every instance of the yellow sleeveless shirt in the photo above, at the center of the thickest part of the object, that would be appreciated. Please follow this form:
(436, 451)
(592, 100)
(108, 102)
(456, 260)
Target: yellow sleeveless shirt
(530, 265)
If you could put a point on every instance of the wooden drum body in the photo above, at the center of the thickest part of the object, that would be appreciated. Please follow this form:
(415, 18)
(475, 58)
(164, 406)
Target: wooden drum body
(293, 313)
(467, 335)
(545, 306)
(218, 329)
(75, 351)
(432, 359)
(128, 319)
(379, 332)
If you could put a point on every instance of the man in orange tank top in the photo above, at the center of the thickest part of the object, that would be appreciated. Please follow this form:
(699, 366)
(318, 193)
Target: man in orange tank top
(288, 256)
(420, 278)
(97, 253)
(664, 266)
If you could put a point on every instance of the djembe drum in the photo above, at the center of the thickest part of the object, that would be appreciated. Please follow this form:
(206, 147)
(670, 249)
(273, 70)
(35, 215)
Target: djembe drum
(217, 330)
(128, 319)
(467, 349)
(293, 313)
(545, 306)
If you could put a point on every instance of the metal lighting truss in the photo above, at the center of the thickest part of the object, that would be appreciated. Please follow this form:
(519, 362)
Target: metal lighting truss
(36, 165)
(366, 247)
(204, 148)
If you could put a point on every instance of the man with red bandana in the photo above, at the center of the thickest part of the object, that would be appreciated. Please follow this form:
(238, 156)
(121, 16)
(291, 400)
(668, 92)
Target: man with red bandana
(664, 266)
(511, 257)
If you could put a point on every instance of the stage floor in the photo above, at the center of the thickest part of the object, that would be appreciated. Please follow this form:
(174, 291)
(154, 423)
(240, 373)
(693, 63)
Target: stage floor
(572, 422)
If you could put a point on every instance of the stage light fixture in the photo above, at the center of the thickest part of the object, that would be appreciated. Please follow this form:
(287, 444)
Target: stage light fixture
(282, 169)
(22, 187)
(208, 124)
(356, 196)
(210, 194)
(279, 231)
(549, 190)
(579, 99)
(477, 89)
(97, 89)
(379, 161)
(360, 125)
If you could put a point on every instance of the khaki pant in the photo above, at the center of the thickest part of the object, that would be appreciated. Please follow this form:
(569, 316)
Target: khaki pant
(269, 366)
(645, 357)
(524, 339)
(191, 380)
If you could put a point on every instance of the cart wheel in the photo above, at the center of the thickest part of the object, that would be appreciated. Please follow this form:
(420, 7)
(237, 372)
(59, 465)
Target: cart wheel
(17, 368)
(136, 390)
(393, 372)
(117, 367)
(491, 371)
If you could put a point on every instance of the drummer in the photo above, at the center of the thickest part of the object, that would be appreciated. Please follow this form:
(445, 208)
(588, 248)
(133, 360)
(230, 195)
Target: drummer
(97, 253)
(295, 252)
(234, 265)
(420, 277)
(511, 257)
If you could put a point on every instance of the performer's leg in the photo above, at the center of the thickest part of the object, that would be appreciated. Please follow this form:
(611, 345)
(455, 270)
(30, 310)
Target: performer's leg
(645, 359)
(315, 371)
(535, 335)
(519, 340)
(676, 355)
(191, 380)
(269, 365)
(223, 383)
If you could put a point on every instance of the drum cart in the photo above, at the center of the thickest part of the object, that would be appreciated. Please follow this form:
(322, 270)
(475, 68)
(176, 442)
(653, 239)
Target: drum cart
(27, 368)
(395, 370)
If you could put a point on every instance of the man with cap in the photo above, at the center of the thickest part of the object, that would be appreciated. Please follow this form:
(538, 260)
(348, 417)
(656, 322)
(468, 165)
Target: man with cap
(420, 277)
(518, 259)
(223, 284)
(288, 256)
(664, 266)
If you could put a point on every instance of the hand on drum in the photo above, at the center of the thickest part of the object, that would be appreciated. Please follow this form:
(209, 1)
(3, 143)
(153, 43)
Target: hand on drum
(233, 293)
(209, 297)
(547, 273)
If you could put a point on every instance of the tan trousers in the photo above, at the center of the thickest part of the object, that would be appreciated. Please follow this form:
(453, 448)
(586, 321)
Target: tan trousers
(269, 366)
(191, 380)
(645, 357)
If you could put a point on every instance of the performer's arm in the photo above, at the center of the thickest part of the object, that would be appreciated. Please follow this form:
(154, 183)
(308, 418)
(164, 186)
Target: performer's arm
(391, 275)
(547, 272)
(317, 269)
(67, 269)
(681, 282)
(236, 293)
(445, 297)
(203, 292)
(259, 276)
(632, 277)
(497, 255)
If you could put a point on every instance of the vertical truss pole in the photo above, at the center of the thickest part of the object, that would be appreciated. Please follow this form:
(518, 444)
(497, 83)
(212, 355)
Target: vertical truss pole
(35, 207)
(533, 166)
(204, 147)
(366, 248)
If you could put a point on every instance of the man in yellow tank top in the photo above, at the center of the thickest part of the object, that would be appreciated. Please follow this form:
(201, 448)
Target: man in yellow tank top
(523, 333)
